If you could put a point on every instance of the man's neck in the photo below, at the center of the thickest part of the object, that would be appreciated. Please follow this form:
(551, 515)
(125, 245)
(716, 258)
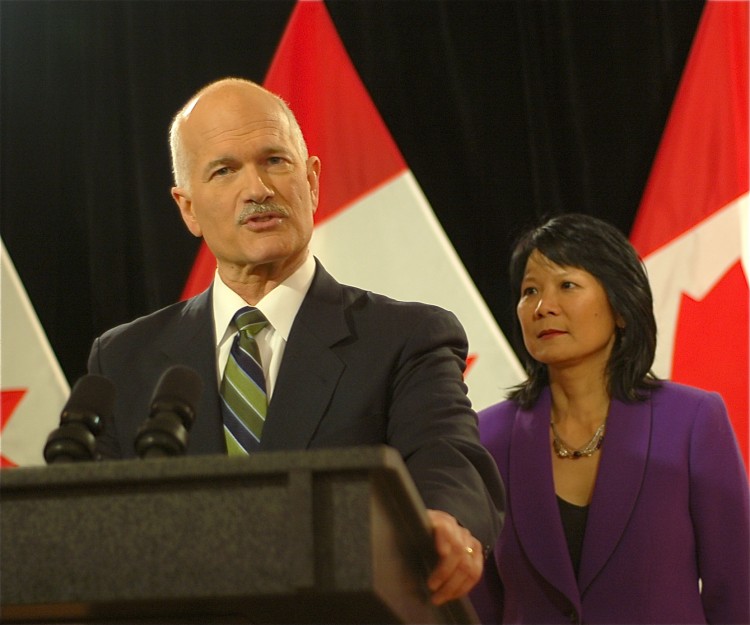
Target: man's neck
(252, 283)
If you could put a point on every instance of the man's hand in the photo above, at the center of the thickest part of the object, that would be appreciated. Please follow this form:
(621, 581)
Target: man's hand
(460, 562)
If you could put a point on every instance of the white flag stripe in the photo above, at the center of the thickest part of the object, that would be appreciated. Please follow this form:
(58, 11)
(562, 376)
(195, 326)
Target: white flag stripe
(390, 242)
(26, 362)
(693, 264)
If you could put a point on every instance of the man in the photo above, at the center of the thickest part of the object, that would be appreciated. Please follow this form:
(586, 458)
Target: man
(342, 366)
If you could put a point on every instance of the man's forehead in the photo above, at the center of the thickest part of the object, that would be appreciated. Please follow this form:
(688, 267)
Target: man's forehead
(234, 96)
(232, 121)
(251, 139)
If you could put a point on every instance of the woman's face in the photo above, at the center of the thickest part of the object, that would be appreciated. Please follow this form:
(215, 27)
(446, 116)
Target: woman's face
(565, 315)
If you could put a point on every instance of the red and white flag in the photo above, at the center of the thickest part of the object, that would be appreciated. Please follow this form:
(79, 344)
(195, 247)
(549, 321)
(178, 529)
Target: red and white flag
(692, 226)
(32, 385)
(374, 227)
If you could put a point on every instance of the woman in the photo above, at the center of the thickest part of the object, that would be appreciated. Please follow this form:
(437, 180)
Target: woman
(625, 493)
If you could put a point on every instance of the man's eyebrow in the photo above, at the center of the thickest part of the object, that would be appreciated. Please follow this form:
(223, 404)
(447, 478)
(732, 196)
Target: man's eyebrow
(276, 148)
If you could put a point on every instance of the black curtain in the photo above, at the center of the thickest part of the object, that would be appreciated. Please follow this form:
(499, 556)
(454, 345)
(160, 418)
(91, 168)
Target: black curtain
(504, 110)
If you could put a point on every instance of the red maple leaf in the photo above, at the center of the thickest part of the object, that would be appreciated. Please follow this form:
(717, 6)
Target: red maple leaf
(711, 347)
(470, 359)
(10, 399)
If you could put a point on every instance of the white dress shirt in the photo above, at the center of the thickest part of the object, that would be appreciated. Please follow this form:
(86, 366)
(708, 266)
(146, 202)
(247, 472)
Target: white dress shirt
(280, 307)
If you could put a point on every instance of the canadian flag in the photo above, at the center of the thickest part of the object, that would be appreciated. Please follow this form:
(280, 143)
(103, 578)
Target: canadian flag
(692, 225)
(32, 385)
(374, 227)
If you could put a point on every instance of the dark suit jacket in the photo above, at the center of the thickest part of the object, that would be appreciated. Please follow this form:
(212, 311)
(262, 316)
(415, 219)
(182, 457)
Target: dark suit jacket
(358, 369)
(670, 505)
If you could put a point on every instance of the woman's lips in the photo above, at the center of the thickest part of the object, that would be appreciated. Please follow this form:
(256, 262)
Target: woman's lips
(548, 334)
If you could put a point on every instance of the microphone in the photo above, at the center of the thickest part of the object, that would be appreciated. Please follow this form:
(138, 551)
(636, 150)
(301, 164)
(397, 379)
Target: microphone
(92, 397)
(172, 412)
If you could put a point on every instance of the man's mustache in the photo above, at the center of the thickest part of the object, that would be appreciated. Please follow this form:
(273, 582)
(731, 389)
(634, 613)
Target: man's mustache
(253, 210)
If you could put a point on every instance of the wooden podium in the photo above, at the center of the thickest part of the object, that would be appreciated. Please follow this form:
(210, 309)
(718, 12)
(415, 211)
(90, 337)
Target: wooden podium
(329, 536)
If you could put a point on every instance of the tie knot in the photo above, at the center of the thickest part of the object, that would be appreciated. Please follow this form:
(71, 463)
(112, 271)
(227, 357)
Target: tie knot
(250, 320)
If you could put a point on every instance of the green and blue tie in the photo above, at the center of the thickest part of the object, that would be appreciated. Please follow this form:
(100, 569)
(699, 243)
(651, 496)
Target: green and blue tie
(243, 387)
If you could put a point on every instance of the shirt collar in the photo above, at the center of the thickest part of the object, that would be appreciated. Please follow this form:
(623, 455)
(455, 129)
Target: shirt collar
(280, 305)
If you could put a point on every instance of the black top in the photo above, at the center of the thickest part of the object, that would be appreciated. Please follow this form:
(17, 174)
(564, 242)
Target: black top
(574, 524)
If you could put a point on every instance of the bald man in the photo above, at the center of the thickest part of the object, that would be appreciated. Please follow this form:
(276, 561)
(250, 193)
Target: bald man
(342, 366)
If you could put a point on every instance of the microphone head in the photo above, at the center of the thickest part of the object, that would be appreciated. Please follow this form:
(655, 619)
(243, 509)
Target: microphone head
(178, 390)
(91, 397)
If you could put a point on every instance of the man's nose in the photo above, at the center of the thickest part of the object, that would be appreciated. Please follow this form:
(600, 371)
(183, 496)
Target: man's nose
(256, 188)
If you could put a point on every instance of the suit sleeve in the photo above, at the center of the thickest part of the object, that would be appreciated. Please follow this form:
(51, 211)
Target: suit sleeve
(432, 424)
(721, 514)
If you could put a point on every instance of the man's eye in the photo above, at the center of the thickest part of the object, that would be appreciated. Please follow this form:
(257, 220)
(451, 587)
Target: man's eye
(222, 171)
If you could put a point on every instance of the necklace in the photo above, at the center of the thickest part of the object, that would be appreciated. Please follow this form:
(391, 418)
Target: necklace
(564, 450)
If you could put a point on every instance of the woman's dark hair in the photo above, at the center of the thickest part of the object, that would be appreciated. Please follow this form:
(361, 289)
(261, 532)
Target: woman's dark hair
(585, 242)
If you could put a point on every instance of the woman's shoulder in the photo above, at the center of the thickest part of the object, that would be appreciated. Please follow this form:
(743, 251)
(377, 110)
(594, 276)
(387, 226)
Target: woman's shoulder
(496, 421)
(675, 392)
(507, 407)
(690, 405)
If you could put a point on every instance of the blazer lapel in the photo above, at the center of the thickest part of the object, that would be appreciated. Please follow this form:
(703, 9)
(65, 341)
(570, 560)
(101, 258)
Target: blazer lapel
(310, 371)
(536, 515)
(618, 483)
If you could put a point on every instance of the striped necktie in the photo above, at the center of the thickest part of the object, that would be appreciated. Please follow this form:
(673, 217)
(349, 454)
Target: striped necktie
(243, 387)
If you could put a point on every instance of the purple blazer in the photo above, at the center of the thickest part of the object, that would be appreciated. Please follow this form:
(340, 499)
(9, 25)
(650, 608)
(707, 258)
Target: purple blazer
(670, 507)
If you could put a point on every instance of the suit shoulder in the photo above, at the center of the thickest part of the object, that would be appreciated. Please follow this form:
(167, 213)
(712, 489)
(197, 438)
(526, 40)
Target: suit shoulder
(327, 288)
(384, 304)
(146, 325)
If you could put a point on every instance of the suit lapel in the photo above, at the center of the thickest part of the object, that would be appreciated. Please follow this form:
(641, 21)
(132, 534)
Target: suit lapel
(536, 516)
(187, 343)
(309, 371)
(618, 483)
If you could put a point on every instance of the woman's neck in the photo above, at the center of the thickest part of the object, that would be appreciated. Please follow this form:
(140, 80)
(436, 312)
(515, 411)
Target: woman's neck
(583, 400)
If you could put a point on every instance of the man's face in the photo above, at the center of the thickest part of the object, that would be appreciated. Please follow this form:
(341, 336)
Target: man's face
(251, 196)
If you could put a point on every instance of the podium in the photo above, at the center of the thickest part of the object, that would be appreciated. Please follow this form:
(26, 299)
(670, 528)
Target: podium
(325, 536)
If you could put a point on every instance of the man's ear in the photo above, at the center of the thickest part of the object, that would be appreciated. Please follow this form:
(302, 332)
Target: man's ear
(313, 179)
(185, 204)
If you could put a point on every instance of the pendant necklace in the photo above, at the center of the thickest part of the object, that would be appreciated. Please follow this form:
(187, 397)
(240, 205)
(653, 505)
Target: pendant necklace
(564, 450)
